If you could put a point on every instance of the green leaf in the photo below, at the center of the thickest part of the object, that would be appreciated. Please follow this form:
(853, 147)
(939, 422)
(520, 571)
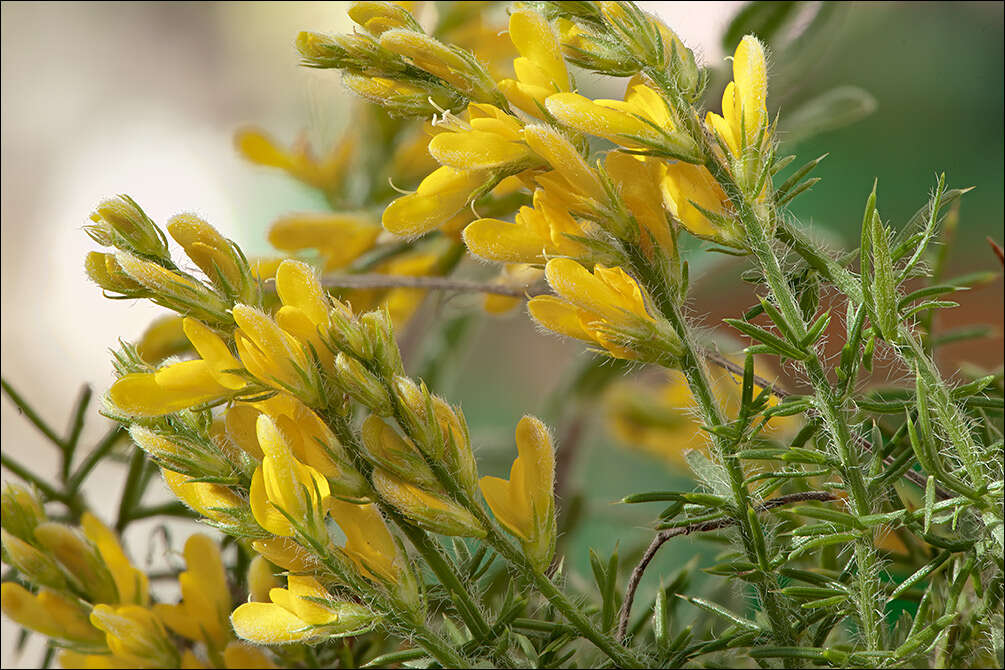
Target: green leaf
(720, 611)
(831, 110)
(763, 19)
(773, 342)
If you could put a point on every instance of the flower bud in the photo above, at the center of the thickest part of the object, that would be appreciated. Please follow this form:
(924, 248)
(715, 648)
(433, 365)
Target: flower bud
(135, 635)
(51, 614)
(106, 272)
(274, 356)
(182, 455)
(218, 257)
(458, 68)
(379, 17)
(430, 511)
(637, 32)
(34, 564)
(387, 449)
(163, 337)
(177, 292)
(400, 98)
(379, 332)
(80, 560)
(20, 511)
(122, 224)
(353, 378)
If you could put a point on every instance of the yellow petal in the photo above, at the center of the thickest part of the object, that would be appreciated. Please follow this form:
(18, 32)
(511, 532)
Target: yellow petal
(559, 152)
(557, 315)
(240, 421)
(638, 180)
(440, 195)
(214, 351)
(298, 286)
(476, 150)
(589, 117)
(504, 242)
(268, 623)
(750, 75)
(535, 39)
(533, 443)
(203, 563)
(368, 540)
(267, 516)
(170, 389)
(497, 495)
(573, 282)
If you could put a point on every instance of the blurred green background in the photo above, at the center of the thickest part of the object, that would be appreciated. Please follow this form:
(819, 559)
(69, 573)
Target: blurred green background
(105, 98)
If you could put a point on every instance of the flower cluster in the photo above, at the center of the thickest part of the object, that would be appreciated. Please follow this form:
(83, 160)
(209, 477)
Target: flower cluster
(86, 595)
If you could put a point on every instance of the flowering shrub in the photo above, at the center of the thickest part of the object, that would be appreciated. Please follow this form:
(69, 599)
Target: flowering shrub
(862, 527)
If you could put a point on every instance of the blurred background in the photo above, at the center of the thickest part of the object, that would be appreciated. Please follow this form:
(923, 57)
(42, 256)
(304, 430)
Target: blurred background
(107, 98)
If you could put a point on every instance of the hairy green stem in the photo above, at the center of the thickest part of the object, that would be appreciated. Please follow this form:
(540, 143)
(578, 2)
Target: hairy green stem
(830, 407)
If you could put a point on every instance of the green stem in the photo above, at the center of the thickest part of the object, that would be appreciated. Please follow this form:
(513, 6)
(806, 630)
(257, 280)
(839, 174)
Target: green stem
(130, 492)
(701, 389)
(621, 655)
(31, 414)
(441, 566)
(97, 454)
(826, 402)
(27, 475)
(73, 435)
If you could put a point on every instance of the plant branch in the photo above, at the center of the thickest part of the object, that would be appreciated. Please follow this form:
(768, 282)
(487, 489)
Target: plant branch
(702, 527)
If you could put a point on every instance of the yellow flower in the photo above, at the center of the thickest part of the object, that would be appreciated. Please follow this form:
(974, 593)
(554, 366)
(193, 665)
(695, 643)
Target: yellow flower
(305, 612)
(744, 110)
(492, 139)
(130, 583)
(369, 543)
(638, 180)
(379, 17)
(179, 386)
(540, 232)
(135, 636)
(566, 160)
(305, 310)
(340, 238)
(163, 337)
(540, 69)
(686, 188)
(311, 442)
(595, 307)
(202, 614)
(513, 275)
(213, 501)
(299, 161)
(284, 491)
(525, 503)
(663, 421)
(443, 193)
(50, 614)
(274, 356)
